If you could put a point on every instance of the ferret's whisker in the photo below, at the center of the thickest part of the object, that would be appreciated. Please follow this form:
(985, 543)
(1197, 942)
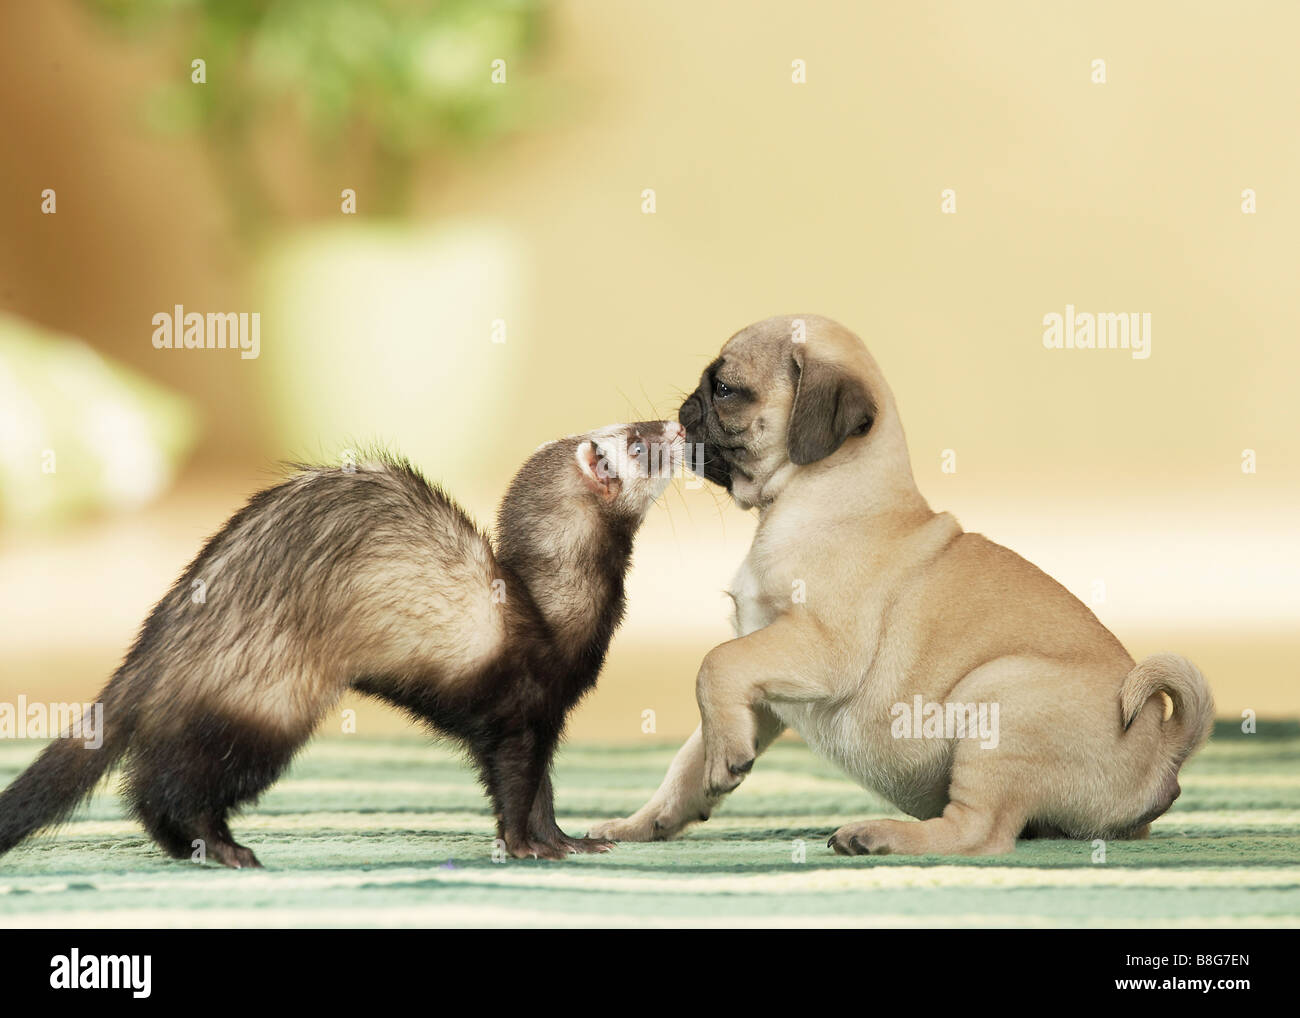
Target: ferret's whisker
(671, 525)
(654, 411)
(631, 408)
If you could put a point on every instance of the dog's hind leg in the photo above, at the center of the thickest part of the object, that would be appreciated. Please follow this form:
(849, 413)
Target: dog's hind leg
(982, 816)
(961, 830)
(1042, 831)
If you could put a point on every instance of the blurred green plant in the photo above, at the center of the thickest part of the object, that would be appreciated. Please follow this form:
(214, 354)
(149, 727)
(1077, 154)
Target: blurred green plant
(409, 77)
(119, 437)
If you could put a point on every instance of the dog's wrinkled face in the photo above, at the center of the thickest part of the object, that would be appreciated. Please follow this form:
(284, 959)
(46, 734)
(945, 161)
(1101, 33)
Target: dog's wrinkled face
(776, 397)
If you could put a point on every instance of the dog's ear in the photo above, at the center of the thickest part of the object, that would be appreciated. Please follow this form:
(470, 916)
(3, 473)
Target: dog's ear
(829, 406)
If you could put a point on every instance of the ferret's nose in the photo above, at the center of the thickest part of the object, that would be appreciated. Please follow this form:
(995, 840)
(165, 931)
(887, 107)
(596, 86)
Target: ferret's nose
(673, 431)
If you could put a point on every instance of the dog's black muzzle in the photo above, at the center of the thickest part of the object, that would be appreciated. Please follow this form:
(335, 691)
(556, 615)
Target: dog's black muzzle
(692, 416)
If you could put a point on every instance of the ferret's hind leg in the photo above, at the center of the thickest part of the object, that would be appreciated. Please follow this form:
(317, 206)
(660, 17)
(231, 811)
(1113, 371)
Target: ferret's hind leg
(183, 786)
(221, 845)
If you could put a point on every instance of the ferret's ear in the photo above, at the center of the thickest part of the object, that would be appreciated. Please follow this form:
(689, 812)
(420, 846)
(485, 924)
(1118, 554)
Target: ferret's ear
(596, 471)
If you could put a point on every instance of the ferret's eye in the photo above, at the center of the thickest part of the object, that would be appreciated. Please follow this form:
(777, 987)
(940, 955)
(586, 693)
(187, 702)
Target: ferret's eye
(720, 389)
(636, 450)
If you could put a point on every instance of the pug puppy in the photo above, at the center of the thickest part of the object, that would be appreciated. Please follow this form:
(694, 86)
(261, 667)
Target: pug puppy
(934, 666)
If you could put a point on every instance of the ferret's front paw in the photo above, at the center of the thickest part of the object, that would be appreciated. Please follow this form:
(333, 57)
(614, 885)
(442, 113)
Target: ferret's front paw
(588, 845)
(536, 849)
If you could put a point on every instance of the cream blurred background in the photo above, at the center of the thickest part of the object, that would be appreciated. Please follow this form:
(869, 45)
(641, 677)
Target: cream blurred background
(1109, 473)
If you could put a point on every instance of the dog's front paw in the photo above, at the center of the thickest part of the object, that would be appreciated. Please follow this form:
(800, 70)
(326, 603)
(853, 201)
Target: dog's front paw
(631, 828)
(725, 768)
(647, 825)
(729, 752)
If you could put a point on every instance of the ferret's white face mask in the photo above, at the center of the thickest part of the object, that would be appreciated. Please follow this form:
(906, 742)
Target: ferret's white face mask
(632, 464)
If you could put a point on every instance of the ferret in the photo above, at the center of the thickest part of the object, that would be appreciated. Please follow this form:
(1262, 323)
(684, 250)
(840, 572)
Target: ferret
(375, 580)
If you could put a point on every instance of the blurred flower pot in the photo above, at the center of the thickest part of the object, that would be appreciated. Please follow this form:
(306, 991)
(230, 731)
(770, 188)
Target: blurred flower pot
(390, 335)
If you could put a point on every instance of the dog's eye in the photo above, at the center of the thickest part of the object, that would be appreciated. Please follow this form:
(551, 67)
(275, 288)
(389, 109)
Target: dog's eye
(720, 389)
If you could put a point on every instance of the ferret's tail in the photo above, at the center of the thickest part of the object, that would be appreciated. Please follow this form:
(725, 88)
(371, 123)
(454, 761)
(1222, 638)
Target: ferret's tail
(1189, 708)
(69, 768)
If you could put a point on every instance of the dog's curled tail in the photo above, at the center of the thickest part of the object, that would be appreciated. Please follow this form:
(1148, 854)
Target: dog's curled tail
(67, 769)
(1189, 709)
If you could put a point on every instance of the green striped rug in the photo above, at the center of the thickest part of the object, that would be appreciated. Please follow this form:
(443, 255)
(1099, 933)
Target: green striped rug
(396, 833)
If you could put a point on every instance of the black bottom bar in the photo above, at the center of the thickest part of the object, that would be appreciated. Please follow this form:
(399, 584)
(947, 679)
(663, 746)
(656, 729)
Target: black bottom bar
(577, 968)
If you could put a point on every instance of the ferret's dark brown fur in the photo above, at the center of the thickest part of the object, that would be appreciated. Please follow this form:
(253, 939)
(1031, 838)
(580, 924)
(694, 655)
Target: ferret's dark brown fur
(375, 580)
